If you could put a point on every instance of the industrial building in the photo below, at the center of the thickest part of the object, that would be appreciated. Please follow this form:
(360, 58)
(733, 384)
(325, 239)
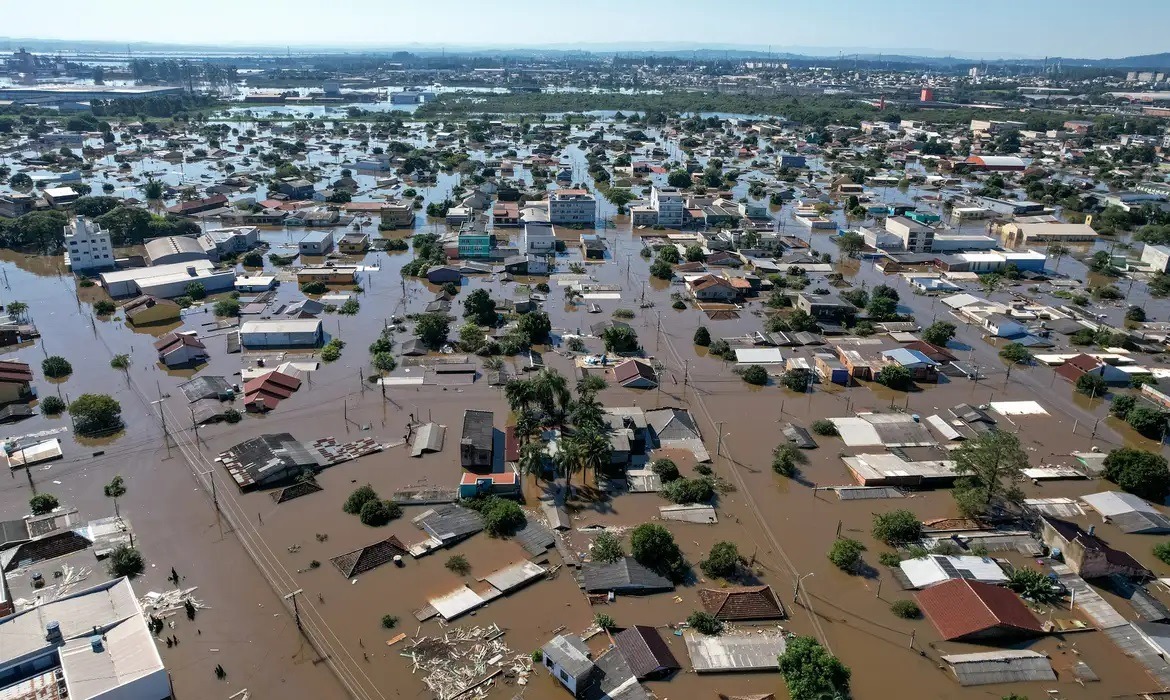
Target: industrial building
(174, 249)
(281, 333)
(168, 281)
(87, 645)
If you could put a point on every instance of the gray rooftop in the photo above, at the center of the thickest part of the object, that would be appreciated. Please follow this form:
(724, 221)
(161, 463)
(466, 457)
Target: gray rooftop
(570, 653)
(1006, 666)
(624, 575)
(734, 652)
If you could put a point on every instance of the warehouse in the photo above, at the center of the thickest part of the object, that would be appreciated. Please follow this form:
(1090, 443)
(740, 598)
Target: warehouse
(168, 281)
(174, 249)
(281, 333)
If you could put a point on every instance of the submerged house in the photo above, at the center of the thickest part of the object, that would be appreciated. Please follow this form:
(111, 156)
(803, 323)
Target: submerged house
(567, 658)
(1087, 554)
(475, 444)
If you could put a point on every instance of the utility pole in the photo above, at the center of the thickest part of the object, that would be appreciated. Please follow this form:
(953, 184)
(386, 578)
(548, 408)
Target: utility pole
(296, 609)
(194, 425)
(719, 444)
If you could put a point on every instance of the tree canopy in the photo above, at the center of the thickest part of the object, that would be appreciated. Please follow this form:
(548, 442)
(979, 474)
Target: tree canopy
(990, 469)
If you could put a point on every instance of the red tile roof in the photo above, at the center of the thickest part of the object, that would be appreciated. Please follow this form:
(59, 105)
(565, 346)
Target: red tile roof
(742, 603)
(267, 390)
(15, 372)
(170, 341)
(960, 608)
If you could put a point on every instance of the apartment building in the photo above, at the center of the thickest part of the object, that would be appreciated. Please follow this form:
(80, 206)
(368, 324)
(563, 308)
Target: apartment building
(87, 246)
(539, 238)
(915, 237)
(669, 204)
(572, 207)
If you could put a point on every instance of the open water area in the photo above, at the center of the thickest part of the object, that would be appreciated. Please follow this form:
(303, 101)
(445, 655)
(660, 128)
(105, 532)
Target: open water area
(250, 552)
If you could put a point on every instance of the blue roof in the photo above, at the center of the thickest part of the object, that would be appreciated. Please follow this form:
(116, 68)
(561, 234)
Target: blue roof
(907, 357)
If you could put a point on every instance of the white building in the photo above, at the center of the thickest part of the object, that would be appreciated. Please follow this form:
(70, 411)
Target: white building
(239, 239)
(94, 644)
(937, 568)
(669, 204)
(566, 657)
(281, 333)
(572, 207)
(1157, 257)
(168, 281)
(87, 246)
(915, 237)
(539, 238)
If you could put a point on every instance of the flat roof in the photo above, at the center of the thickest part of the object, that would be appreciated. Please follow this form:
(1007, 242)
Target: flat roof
(289, 325)
(141, 273)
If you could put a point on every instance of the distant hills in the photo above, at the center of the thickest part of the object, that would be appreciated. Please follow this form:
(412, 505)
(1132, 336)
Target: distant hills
(924, 57)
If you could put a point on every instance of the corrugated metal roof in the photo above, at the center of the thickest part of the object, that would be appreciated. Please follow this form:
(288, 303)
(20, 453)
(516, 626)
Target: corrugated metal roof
(1006, 666)
(429, 439)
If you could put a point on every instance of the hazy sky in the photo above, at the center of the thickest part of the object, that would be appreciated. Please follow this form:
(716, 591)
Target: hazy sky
(985, 28)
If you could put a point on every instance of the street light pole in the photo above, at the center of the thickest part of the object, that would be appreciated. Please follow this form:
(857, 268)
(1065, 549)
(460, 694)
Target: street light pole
(796, 586)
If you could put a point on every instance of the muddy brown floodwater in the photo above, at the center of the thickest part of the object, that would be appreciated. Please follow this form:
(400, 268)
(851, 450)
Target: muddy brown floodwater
(250, 553)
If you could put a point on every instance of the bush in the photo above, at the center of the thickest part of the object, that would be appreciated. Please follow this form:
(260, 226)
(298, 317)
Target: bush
(126, 561)
(755, 375)
(195, 290)
(52, 406)
(905, 609)
(722, 561)
(684, 491)
(846, 554)
(232, 416)
(331, 352)
(822, 426)
(895, 377)
(104, 307)
(253, 258)
(624, 314)
(384, 362)
(389, 622)
(939, 333)
(56, 367)
(889, 559)
(374, 513)
(718, 348)
(120, 361)
(704, 622)
(897, 527)
(457, 564)
(360, 496)
(315, 287)
(798, 379)
(604, 621)
(1033, 585)
(349, 308)
(43, 503)
(665, 468)
(787, 458)
(702, 337)
(654, 547)
(1162, 551)
(620, 339)
(1121, 405)
(607, 548)
(1015, 352)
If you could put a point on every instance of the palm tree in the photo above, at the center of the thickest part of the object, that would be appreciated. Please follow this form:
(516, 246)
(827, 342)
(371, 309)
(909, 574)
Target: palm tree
(17, 309)
(595, 450)
(153, 189)
(569, 456)
(527, 425)
(587, 413)
(532, 459)
(115, 490)
(590, 384)
(519, 394)
(571, 295)
(991, 283)
(551, 391)
(1057, 251)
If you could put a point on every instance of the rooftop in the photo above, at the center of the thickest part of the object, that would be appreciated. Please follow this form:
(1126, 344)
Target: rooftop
(961, 608)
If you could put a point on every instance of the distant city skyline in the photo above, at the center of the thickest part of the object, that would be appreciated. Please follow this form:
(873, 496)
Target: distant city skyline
(990, 29)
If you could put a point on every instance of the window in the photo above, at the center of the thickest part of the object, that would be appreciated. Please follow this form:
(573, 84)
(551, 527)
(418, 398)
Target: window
(564, 676)
(548, 662)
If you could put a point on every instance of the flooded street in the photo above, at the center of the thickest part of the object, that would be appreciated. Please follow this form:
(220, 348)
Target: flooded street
(245, 552)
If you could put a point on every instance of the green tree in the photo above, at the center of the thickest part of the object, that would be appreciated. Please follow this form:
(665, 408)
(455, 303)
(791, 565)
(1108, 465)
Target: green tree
(471, 336)
(654, 547)
(665, 468)
(1121, 405)
(52, 405)
(1162, 552)
(702, 337)
(502, 517)
(458, 564)
(787, 458)
(798, 379)
(990, 468)
(535, 326)
(374, 513)
(897, 527)
(685, 491)
(115, 490)
(1146, 420)
(126, 561)
(823, 426)
(679, 178)
(227, 308)
(670, 254)
(755, 375)
(939, 333)
(905, 609)
(43, 503)
(1092, 385)
(846, 554)
(620, 339)
(851, 243)
(895, 377)
(432, 329)
(704, 622)
(811, 672)
(1033, 585)
(121, 361)
(1139, 472)
(152, 189)
(196, 291)
(253, 258)
(882, 308)
(360, 496)
(56, 367)
(607, 548)
(1015, 352)
(383, 362)
(661, 269)
(722, 561)
(104, 307)
(95, 413)
(695, 253)
(479, 307)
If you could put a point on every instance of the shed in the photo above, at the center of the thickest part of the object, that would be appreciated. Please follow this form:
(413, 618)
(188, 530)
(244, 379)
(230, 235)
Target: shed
(428, 439)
